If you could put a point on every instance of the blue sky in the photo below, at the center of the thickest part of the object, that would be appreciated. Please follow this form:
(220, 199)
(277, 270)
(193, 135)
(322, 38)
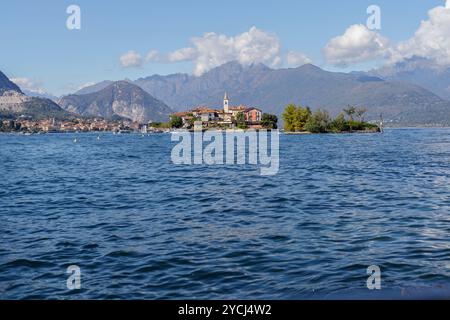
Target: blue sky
(36, 44)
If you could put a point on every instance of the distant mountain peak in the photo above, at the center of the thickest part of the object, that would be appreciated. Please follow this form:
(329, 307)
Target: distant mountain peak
(123, 84)
(7, 85)
(119, 98)
(13, 102)
(310, 66)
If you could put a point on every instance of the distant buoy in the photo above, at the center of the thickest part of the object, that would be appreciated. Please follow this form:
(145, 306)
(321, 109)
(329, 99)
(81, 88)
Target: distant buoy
(98, 137)
(75, 140)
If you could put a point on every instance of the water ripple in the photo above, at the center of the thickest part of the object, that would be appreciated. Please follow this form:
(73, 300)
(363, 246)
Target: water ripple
(141, 228)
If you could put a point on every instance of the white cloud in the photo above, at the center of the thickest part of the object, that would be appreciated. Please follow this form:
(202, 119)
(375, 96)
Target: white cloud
(430, 41)
(85, 85)
(29, 84)
(152, 56)
(212, 50)
(131, 59)
(184, 54)
(357, 44)
(296, 59)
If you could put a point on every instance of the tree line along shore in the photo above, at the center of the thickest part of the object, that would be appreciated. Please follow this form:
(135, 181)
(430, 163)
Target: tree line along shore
(298, 120)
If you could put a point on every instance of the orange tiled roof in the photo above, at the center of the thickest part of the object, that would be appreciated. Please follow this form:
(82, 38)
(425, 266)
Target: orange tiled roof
(236, 108)
(181, 114)
(204, 110)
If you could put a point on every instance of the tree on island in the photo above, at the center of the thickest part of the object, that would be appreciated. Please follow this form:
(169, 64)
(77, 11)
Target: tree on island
(269, 121)
(360, 112)
(350, 111)
(240, 120)
(295, 117)
(300, 119)
(340, 124)
(318, 122)
(176, 122)
(289, 117)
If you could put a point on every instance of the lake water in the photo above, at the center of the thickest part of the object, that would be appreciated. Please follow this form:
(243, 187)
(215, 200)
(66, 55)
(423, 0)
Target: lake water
(140, 227)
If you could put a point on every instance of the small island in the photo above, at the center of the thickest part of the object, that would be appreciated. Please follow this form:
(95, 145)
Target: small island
(297, 119)
(227, 117)
(300, 120)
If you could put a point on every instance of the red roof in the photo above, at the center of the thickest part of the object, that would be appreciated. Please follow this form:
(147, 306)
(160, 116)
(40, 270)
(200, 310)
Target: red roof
(181, 114)
(204, 110)
(250, 109)
(238, 108)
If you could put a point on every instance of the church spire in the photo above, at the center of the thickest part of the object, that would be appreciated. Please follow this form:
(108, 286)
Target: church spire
(226, 103)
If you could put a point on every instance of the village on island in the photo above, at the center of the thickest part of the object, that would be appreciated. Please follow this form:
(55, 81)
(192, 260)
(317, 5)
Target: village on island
(297, 119)
(229, 117)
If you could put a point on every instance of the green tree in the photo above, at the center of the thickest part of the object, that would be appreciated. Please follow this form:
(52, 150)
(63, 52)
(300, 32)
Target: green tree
(289, 116)
(176, 122)
(360, 112)
(301, 117)
(269, 121)
(319, 122)
(240, 120)
(295, 117)
(339, 124)
(350, 111)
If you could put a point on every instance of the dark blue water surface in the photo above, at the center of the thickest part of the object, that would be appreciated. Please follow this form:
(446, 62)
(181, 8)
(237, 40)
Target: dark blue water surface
(140, 227)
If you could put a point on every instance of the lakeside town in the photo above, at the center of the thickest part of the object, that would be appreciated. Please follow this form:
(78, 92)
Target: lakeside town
(297, 119)
(229, 117)
(31, 126)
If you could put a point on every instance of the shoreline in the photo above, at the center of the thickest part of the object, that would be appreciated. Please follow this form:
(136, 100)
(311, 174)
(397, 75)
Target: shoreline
(27, 133)
(331, 132)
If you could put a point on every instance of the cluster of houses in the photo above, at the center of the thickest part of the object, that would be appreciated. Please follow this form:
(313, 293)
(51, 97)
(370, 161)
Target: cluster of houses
(25, 124)
(226, 117)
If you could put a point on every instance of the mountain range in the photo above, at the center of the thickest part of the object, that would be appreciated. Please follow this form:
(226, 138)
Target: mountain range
(405, 95)
(119, 99)
(419, 71)
(401, 103)
(13, 103)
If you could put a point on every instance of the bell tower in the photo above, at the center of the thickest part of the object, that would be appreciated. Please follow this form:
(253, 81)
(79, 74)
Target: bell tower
(226, 102)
